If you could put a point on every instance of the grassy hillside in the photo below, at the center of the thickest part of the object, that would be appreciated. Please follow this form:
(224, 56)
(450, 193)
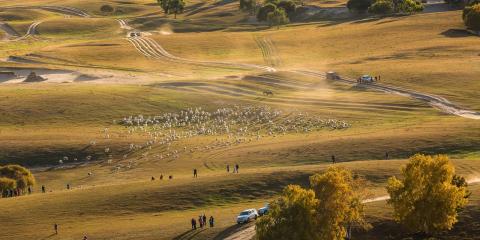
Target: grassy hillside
(213, 56)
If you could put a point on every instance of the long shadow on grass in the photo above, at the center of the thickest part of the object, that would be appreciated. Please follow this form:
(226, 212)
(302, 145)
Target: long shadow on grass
(231, 230)
(190, 234)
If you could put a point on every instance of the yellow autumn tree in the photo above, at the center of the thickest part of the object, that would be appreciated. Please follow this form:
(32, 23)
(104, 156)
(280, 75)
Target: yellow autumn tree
(426, 199)
(339, 204)
(323, 212)
(291, 216)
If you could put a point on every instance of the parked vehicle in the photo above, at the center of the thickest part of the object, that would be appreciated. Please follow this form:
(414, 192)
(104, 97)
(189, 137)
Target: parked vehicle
(366, 79)
(247, 215)
(264, 210)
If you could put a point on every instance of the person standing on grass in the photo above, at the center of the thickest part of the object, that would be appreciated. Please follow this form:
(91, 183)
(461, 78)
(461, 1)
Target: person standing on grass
(29, 190)
(68, 186)
(200, 221)
(43, 188)
(204, 220)
(55, 227)
(228, 168)
(194, 224)
(236, 168)
(386, 155)
(195, 173)
(211, 221)
(333, 159)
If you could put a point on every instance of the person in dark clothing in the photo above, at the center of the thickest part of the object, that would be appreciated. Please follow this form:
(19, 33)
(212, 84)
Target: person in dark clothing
(68, 186)
(386, 155)
(211, 220)
(195, 173)
(153, 178)
(194, 223)
(333, 159)
(170, 177)
(161, 176)
(228, 168)
(236, 168)
(200, 220)
(55, 227)
(29, 190)
(43, 188)
(204, 220)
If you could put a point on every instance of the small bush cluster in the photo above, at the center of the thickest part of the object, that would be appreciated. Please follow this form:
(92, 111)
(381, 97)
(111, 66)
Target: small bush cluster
(385, 7)
(276, 12)
(107, 9)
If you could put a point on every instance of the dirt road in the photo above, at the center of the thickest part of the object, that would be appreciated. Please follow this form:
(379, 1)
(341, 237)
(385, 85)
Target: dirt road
(152, 49)
(435, 101)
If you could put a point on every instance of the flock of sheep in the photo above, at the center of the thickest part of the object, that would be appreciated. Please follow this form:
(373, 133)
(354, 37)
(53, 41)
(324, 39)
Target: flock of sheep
(225, 127)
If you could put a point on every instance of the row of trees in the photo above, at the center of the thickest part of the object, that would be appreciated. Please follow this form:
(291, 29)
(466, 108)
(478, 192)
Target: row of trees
(15, 178)
(471, 16)
(383, 7)
(427, 199)
(172, 6)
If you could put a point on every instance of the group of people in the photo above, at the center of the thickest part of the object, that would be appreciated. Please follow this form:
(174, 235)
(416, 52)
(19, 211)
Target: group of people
(170, 177)
(235, 168)
(202, 221)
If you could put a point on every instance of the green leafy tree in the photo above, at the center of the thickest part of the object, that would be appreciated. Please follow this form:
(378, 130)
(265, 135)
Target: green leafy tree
(291, 216)
(427, 199)
(408, 6)
(172, 6)
(359, 6)
(277, 17)
(264, 11)
(381, 7)
(176, 7)
(289, 6)
(471, 16)
(339, 205)
(247, 5)
(164, 4)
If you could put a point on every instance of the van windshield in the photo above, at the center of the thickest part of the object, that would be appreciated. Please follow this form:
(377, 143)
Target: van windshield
(244, 213)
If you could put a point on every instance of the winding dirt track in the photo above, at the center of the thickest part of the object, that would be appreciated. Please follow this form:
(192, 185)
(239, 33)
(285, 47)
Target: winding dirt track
(32, 30)
(152, 49)
(435, 101)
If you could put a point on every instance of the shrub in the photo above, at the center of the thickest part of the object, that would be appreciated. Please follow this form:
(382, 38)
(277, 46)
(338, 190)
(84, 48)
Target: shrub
(247, 4)
(264, 11)
(358, 5)
(381, 7)
(472, 17)
(289, 7)
(107, 9)
(409, 6)
(277, 17)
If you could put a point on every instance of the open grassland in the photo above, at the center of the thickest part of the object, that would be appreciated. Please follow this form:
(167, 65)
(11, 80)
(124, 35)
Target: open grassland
(41, 123)
(161, 209)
